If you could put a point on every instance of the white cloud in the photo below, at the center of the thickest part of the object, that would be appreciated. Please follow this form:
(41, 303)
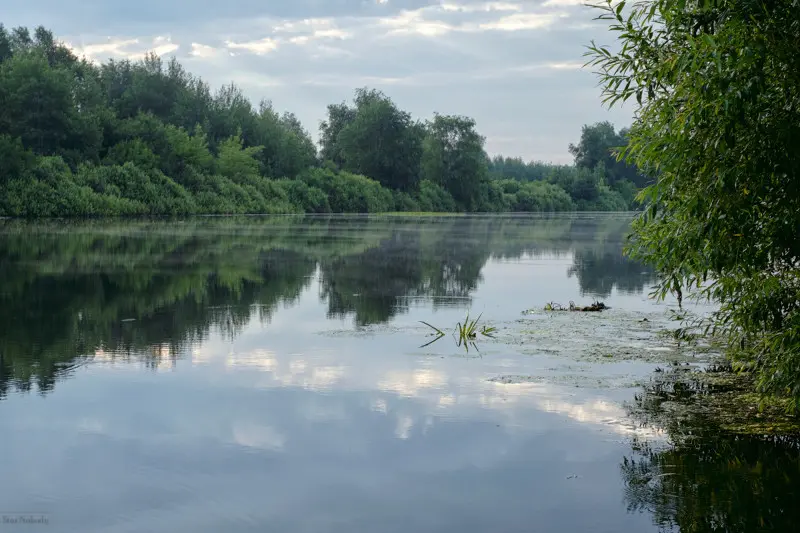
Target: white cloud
(112, 47)
(163, 46)
(332, 33)
(259, 47)
(410, 22)
(204, 51)
(430, 21)
(523, 21)
(566, 65)
(476, 8)
(119, 48)
(101, 51)
(562, 3)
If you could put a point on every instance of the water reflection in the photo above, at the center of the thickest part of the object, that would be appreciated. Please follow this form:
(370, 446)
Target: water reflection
(708, 479)
(282, 390)
(152, 291)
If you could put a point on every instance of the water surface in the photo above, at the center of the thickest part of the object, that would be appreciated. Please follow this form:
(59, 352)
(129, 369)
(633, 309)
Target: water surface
(268, 374)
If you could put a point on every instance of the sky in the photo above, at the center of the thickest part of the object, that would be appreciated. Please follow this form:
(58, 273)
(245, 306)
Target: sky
(512, 65)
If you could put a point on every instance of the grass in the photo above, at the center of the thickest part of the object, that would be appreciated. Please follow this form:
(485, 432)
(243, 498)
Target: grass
(467, 332)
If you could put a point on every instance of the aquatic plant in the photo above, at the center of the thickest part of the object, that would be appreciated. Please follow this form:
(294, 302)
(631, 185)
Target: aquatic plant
(467, 332)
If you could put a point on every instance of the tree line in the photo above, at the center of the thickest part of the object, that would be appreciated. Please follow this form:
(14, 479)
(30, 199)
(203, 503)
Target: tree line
(148, 138)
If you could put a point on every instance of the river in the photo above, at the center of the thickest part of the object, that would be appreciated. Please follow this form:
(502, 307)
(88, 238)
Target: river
(274, 374)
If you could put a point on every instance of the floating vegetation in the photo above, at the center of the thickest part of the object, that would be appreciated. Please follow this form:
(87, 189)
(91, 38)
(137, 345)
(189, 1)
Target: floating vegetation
(467, 332)
(594, 308)
(688, 401)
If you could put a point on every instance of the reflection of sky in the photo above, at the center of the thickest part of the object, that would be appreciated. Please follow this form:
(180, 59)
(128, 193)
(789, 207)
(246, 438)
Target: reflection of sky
(287, 429)
(303, 423)
(295, 444)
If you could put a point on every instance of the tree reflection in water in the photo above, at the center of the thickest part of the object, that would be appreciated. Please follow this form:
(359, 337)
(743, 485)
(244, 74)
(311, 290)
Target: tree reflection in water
(708, 479)
(148, 290)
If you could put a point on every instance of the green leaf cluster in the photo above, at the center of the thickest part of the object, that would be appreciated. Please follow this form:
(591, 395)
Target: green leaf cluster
(717, 89)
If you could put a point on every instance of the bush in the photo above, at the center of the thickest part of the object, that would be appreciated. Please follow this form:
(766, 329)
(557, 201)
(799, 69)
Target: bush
(434, 198)
(134, 151)
(305, 198)
(51, 191)
(541, 197)
(350, 193)
(607, 200)
(628, 191)
(15, 160)
(158, 193)
(405, 202)
(491, 198)
(219, 195)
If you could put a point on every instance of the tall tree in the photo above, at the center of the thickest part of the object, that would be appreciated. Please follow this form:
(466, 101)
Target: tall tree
(599, 144)
(288, 148)
(454, 157)
(36, 102)
(339, 116)
(382, 142)
(717, 84)
(5, 44)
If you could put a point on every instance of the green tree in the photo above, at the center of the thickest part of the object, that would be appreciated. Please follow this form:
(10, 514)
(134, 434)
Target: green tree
(133, 151)
(454, 158)
(231, 113)
(15, 160)
(234, 160)
(339, 116)
(185, 151)
(717, 84)
(599, 145)
(382, 142)
(5, 44)
(287, 148)
(36, 102)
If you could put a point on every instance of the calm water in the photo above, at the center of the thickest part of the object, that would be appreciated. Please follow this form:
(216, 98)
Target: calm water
(267, 374)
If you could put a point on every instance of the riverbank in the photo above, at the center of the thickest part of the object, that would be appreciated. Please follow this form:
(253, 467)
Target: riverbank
(52, 189)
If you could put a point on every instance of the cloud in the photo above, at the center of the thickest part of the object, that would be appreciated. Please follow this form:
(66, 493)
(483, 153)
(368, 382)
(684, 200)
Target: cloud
(415, 22)
(489, 6)
(103, 50)
(562, 3)
(161, 46)
(204, 51)
(329, 34)
(119, 48)
(513, 65)
(524, 21)
(431, 21)
(258, 47)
